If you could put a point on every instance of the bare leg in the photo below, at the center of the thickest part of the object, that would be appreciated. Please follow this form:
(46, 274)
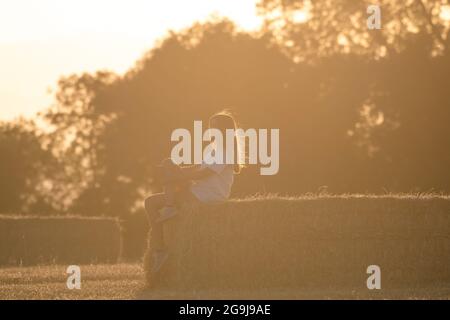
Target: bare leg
(152, 206)
(172, 188)
(169, 192)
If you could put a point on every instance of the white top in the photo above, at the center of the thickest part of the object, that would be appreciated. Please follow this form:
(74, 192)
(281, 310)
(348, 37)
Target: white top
(217, 186)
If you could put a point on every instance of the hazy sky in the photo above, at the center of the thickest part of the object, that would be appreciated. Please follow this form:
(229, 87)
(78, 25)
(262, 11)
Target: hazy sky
(40, 40)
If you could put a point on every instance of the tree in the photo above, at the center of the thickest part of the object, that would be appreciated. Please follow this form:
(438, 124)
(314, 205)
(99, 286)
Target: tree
(76, 126)
(308, 30)
(24, 166)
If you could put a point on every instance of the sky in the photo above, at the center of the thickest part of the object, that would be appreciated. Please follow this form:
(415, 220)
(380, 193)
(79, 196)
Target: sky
(41, 40)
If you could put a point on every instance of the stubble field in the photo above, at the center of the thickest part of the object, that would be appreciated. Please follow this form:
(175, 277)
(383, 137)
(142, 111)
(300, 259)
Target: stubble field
(126, 281)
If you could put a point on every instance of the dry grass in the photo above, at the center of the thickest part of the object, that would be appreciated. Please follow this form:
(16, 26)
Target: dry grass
(126, 281)
(119, 281)
(314, 241)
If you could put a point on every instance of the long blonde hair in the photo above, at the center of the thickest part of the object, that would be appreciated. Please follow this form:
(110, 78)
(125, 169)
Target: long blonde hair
(226, 120)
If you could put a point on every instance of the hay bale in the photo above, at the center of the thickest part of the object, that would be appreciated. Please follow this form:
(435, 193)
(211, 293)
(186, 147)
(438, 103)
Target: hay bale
(308, 241)
(66, 240)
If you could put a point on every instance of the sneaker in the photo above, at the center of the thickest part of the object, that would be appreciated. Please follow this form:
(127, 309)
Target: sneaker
(159, 258)
(166, 213)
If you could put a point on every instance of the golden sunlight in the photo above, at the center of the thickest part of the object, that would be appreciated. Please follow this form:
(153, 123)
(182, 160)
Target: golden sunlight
(445, 13)
(300, 16)
(42, 40)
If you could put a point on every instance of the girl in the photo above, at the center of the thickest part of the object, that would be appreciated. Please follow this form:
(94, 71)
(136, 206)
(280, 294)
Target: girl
(205, 183)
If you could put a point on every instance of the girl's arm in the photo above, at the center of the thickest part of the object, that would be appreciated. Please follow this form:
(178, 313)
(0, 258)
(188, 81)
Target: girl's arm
(195, 172)
(166, 174)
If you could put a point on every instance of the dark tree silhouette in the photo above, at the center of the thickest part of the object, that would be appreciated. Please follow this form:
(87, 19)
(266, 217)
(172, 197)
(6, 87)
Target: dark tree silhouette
(24, 169)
